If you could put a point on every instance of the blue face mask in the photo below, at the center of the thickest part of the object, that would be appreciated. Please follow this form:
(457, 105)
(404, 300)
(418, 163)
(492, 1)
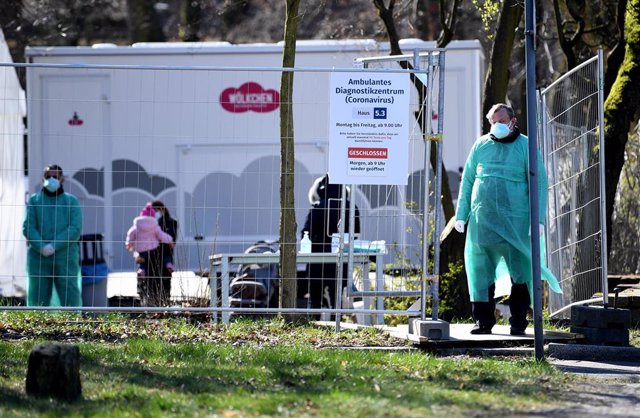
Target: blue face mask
(500, 130)
(158, 215)
(51, 184)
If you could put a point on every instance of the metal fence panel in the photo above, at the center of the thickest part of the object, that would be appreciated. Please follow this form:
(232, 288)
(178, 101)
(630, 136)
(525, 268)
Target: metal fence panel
(127, 135)
(429, 117)
(572, 127)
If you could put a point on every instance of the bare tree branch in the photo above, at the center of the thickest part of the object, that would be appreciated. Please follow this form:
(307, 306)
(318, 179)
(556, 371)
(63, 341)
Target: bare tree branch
(448, 22)
(565, 44)
(386, 14)
(616, 56)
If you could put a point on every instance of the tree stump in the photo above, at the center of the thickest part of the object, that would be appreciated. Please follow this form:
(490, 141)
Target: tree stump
(54, 370)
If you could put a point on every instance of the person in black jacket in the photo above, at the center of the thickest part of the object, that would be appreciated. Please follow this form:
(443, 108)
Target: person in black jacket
(170, 226)
(323, 221)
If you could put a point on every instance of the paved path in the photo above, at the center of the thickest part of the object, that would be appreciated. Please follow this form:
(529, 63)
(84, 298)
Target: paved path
(593, 399)
(619, 371)
(602, 388)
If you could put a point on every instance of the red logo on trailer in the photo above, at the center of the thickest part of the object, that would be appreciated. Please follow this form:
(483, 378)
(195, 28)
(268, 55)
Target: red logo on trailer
(368, 152)
(249, 97)
(75, 120)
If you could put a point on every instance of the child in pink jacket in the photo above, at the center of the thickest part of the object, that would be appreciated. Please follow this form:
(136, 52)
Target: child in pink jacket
(145, 236)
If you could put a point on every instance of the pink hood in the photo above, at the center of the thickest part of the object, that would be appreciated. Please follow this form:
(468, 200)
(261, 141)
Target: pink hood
(146, 235)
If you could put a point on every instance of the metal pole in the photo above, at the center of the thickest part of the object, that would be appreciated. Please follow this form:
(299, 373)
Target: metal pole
(530, 59)
(435, 286)
(352, 233)
(426, 112)
(603, 203)
(224, 289)
(338, 294)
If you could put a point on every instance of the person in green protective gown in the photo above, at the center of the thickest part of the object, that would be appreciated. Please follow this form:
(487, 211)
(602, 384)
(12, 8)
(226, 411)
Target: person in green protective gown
(52, 227)
(494, 204)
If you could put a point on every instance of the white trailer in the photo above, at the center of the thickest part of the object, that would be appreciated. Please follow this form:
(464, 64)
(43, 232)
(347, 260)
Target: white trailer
(207, 142)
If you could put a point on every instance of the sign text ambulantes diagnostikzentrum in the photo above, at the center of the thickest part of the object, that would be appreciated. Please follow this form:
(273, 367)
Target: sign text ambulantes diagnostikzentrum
(369, 128)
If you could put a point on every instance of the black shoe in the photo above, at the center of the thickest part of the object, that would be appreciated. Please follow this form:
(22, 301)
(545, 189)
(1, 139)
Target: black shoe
(515, 331)
(477, 329)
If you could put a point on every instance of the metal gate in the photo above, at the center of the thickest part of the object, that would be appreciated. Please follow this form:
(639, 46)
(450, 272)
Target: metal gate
(572, 126)
(429, 82)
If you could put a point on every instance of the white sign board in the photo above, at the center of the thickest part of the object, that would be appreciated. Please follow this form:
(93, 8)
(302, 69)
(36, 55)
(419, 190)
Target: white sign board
(369, 128)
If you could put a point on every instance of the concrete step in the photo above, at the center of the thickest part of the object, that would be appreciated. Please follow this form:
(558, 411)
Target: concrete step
(599, 317)
(602, 336)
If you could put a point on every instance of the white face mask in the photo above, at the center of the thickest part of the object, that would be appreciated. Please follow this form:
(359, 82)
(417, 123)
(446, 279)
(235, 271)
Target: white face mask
(500, 130)
(158, 215)
(52, 184)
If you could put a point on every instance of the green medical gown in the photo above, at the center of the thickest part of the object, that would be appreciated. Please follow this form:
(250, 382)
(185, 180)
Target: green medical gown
(494, 199)
(56, 220)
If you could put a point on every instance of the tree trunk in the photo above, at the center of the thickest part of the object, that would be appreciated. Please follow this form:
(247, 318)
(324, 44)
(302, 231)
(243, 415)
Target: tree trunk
(454, 298)
(620, 108)
(54, 370)
(144, 22)
(386, 14)
(497, 80)
(190, 19)
(447, 22)
(568, 41)
(288, 226)
(615, 57)
(454, 292)
(427, 19)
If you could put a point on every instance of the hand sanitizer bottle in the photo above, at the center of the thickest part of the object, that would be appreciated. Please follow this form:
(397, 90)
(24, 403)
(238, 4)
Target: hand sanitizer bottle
(305, 244)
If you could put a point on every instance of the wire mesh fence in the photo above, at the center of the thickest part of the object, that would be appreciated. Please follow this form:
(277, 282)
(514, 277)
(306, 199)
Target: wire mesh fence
(198, 149)
(572, 122)
(426, 184)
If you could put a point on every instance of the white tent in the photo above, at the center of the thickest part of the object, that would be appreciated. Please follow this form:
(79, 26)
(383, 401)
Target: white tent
(13, 247)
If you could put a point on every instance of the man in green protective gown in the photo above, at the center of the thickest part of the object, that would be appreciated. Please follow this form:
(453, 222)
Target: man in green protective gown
(494, 204)
(52, 226)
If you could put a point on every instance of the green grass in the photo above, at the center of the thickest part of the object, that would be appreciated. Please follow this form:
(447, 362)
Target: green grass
(259, 368)
(143, 377)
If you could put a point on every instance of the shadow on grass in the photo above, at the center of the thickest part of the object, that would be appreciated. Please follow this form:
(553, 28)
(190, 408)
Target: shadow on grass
(259, 373)
(138, 387)
(21, 404)
(148, 377)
